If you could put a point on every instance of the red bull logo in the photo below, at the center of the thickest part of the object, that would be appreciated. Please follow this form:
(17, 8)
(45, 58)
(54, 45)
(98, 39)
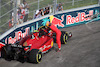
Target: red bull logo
(57, 21)
(18, 36)
(79, 18)
(71, 20)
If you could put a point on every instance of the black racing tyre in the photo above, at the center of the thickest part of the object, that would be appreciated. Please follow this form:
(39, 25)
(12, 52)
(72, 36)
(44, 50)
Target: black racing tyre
(64, 37)
(5, 52)
(35, 56)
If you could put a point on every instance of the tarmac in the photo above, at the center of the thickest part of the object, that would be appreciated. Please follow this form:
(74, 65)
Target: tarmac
(82, 50)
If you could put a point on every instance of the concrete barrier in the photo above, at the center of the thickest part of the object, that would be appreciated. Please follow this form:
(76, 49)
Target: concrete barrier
(61, 19)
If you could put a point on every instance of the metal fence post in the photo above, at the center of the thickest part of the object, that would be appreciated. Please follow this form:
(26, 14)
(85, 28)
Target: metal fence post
(11, 7)
(18, 2)
(73, 3)
(54, 7)
(99, 2)
(15, 12)
(38, 4)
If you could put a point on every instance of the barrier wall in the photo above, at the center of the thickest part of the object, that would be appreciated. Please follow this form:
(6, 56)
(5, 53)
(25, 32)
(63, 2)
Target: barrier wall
(62, 19)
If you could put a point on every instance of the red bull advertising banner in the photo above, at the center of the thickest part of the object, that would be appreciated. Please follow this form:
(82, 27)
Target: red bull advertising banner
(61, 20)
(69, 19)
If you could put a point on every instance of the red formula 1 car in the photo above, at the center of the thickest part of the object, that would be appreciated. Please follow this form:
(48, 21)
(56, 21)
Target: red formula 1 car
(33, 46)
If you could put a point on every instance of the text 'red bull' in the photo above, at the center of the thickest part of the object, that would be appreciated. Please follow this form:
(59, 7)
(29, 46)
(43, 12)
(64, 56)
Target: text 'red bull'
(79, 18)
(18, 36)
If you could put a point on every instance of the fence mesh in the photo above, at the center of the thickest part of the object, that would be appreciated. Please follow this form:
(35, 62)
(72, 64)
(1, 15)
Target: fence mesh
(7, 8)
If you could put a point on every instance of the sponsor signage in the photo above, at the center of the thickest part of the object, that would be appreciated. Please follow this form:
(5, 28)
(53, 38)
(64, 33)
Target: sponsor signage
(60, 20)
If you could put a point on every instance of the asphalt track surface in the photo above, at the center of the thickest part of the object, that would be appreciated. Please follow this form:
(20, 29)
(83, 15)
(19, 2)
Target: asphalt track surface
(82, 50)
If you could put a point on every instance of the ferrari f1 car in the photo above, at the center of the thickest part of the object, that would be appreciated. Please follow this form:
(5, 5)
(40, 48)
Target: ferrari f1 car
(31, 47)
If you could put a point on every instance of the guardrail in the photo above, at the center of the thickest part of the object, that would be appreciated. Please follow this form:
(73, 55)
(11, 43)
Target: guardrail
(61, 19)
(7, 7)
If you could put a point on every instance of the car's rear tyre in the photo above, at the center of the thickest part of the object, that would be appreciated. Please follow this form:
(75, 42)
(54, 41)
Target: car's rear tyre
(3, 52)
(6, 53)
(64, 37)
(35, 56)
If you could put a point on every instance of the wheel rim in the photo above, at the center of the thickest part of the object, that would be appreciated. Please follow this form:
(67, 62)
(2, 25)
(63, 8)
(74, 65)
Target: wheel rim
(39, 56)
(65, 38)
